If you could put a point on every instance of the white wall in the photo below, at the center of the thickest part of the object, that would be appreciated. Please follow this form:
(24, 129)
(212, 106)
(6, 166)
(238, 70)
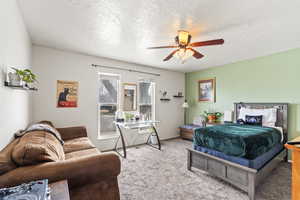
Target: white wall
(15, 50)
(52, 65)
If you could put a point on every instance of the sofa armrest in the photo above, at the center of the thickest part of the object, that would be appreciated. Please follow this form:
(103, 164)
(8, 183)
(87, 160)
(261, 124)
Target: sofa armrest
(72, 132)
(78, 171)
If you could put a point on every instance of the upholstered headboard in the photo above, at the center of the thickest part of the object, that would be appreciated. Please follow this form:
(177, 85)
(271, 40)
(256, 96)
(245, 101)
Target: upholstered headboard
(282, 113)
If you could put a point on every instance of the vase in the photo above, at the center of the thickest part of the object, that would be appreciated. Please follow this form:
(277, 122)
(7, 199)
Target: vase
(14, 79)
(211, 118)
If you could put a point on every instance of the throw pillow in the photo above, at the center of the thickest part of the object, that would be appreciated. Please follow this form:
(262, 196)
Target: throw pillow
(254, 120)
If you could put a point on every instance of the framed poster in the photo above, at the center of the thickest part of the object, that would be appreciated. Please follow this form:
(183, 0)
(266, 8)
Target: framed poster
(130, 97)
(67, 94)
(207, 90)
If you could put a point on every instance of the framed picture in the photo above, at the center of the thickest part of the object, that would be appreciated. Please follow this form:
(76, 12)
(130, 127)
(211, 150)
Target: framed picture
(67, 94)
(130, 97)
(207, 90)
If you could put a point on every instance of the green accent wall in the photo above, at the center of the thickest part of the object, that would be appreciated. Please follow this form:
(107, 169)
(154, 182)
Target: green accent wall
(274, 78)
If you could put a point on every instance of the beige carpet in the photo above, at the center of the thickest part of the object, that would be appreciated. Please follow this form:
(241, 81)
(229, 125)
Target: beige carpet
(151, 174)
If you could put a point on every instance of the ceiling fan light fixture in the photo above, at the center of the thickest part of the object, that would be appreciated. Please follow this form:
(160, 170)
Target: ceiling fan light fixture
(183, 37)
(185, 49)
(184, 54)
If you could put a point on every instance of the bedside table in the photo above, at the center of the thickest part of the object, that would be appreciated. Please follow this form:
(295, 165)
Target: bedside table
(187, 131)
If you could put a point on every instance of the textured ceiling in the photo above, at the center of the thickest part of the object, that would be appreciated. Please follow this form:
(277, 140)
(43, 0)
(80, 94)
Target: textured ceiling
(122, 29)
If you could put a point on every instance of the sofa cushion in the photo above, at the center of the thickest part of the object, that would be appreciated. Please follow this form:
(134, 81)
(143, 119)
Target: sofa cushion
(6, 162)
(77, 144)
(82, 153)
(37, 147)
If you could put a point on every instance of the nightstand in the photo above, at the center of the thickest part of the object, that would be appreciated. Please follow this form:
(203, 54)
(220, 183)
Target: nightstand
(187, 131)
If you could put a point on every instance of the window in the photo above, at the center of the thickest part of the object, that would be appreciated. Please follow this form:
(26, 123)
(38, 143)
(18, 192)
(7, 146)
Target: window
(147, 100)
(108, 101)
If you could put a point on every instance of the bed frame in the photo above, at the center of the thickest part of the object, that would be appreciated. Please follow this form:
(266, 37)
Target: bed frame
(244, 178)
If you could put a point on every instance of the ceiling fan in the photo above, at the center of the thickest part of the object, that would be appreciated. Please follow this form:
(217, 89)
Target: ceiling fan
(184, 48)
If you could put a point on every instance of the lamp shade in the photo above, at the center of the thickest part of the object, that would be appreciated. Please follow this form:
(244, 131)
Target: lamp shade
(185, 104)
(183, 37)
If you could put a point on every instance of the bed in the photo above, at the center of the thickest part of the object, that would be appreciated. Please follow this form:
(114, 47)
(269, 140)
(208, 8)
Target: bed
(242, 155)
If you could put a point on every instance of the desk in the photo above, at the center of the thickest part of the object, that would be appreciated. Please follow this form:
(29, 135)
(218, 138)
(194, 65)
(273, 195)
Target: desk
(135, 125)
(295, 169)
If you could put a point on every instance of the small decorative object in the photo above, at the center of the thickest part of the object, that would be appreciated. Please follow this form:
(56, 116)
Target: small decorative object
(120, 116)
(200, 121)
(179, 95)
(129, 116)
(164, 96)
(14, 79)
(67, 94)
(212, 116)
(137, 117)
(207, 90)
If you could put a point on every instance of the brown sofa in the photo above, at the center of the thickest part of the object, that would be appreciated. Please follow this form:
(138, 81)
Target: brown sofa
(91, 175)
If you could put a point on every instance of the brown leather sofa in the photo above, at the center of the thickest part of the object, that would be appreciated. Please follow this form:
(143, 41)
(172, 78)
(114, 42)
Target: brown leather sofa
(91, 175)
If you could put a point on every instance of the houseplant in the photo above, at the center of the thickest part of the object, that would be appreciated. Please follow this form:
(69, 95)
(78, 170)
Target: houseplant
(26, 75)
(212, 116)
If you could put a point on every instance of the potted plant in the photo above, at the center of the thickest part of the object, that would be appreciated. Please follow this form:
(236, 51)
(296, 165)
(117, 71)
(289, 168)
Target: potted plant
(26, 76)
(212, 116)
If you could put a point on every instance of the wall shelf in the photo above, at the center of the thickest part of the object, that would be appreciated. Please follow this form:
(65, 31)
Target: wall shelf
(176, 96)
(165, 99)
(6, 84)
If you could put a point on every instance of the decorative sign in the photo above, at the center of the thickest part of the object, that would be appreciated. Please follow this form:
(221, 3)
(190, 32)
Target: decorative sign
(207, 90)
(67, 94)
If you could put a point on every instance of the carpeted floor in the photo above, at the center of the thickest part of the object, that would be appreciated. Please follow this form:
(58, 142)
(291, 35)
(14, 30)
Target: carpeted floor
(151, 174)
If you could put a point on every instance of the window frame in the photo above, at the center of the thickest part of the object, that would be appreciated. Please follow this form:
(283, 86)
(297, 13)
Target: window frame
(99, 104)
(153, 98)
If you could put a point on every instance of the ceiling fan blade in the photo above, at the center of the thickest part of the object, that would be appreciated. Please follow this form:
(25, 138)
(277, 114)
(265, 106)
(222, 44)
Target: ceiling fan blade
(196, 54)
(207, 43)
(162, 47)
(170, 55)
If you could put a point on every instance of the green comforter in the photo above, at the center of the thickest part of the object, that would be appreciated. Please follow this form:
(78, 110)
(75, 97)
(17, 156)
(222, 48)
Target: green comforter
(238, 140)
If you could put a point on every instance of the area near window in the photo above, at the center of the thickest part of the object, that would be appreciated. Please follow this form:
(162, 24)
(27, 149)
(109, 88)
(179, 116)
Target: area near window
(108, 103)
(147, 100)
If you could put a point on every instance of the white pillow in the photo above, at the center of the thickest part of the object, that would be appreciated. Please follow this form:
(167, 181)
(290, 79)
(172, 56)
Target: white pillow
(269, 115)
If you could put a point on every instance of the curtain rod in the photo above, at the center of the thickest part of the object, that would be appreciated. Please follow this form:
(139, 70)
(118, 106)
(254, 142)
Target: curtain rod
(130, 70)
